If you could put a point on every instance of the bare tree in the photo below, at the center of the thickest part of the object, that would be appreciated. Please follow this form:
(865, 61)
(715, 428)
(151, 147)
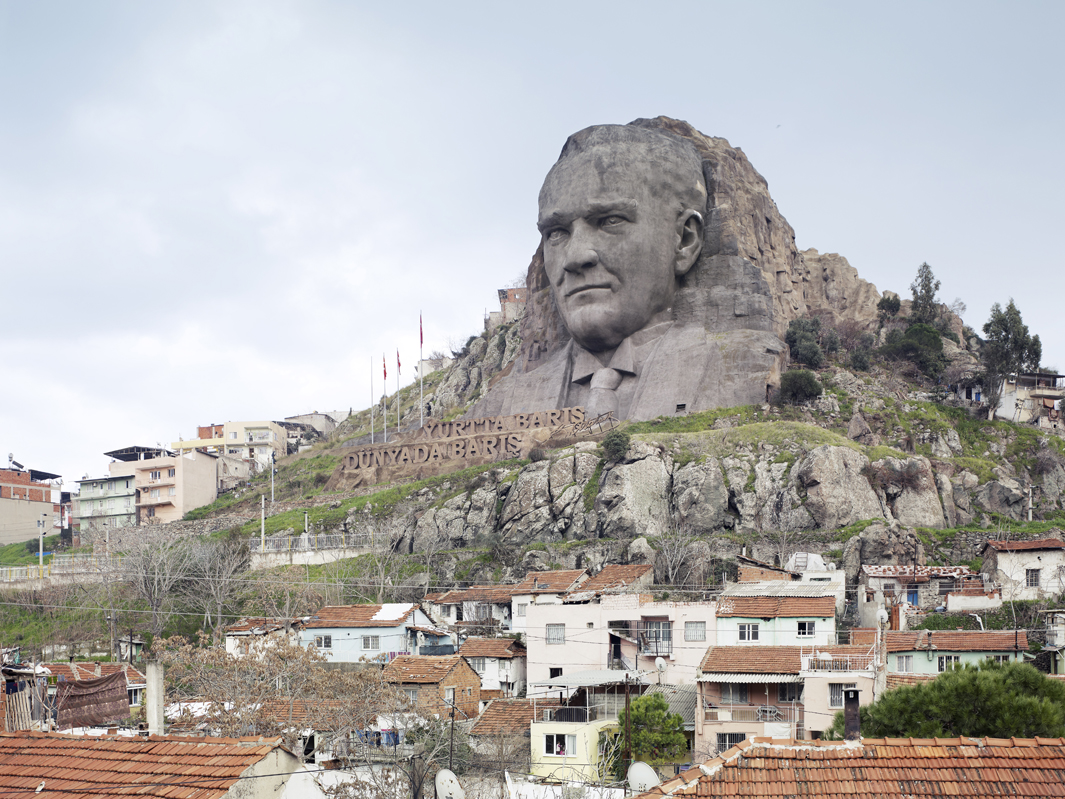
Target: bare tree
(672, 564)
(155, 565)
(216, 579)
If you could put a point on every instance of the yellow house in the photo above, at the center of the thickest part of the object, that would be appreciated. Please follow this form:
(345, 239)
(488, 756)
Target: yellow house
(256, 442)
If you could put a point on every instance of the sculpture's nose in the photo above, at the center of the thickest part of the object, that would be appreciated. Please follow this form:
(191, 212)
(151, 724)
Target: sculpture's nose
(580, 249)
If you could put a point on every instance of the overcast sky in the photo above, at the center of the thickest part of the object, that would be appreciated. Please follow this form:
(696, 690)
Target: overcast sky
(223, 210)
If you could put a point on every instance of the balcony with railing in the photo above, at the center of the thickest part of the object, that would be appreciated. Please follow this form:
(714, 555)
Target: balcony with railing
(571, 715)
(653, 637)
(787, 714)
(813, 660)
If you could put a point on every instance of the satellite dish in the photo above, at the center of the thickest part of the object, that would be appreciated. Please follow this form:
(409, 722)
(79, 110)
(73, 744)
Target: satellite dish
(447, 785)
(641, 777)
(660, 664)
(882, 616)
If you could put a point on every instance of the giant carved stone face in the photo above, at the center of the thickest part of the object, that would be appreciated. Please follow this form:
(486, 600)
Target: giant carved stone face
(616, 238)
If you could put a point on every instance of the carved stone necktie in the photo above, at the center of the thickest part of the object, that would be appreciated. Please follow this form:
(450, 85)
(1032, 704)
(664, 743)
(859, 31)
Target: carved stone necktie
(603, 397)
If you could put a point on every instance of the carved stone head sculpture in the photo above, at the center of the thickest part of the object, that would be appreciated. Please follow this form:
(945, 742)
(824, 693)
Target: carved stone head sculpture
(621, 216)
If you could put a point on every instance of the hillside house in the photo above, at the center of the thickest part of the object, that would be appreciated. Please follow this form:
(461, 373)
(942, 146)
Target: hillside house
(477, 610)
(931, 652)
(502, 732)
(437, 683)
(779, 691)
(542, 588)
(1032, 397)
(500, 663)
(1026, 569)
(591, 631)
(30, 502)
(350, 633)
(776, 614)
(136, 682)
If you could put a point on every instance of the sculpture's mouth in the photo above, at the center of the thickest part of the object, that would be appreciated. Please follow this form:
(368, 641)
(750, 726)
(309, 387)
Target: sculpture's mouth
(588, 287)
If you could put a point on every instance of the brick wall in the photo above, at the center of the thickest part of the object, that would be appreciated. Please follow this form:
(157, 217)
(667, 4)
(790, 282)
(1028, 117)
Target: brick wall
(467, 685)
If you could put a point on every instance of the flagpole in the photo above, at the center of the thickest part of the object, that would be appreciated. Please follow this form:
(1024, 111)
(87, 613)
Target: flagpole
(421, 371)
(399, 368)
(384, 369)
(372, 402)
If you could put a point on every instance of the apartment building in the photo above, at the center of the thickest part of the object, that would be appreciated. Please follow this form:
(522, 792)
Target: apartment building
(29, 504)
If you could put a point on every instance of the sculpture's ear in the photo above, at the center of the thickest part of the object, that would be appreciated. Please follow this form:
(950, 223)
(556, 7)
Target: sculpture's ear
(690, 231)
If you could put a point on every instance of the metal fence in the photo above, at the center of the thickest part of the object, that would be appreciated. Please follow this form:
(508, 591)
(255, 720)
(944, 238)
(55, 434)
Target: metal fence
(62, 565)
(312, 542)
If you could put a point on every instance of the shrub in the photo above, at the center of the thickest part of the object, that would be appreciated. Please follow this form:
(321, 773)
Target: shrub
(830, 340)
(859, 361)
(808, 352)
(921, 344)
(888, 306)
(537, 454)
(797, 386)
(802, 338)
(615, 444)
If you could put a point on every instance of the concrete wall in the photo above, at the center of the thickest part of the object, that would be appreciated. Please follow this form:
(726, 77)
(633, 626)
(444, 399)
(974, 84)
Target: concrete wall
(22, 503)
(1010, 571)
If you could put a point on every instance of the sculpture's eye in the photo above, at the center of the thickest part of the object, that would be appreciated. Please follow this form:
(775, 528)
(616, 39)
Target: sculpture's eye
(555, 234)
(611, 221)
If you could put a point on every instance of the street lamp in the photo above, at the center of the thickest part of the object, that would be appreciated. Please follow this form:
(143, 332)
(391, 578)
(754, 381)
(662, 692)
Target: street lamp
(40, 551)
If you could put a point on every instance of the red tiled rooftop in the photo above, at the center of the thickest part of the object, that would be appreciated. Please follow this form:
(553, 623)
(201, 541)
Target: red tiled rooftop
(615, 576)
(71, 766)
(956, 640)
(261, 623)
(550, 582)
(757, 659)
(772, 607)
(509, 716)
(877, 767)
(420, 668)
(87, 671)
(492, 648)
(1019, 546)
(361, 616)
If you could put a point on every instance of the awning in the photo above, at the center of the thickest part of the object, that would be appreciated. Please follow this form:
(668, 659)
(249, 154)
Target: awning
(589, 679)
(751, 678)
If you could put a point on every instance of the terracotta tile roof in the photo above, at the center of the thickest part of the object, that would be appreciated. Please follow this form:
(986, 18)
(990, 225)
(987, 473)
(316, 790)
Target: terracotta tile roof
(1019, 546)
(491, 648)
(956, 640)
(899, 680)
(170, 766)
(757, 659)
(509, 716)
(556, 582)
(87, 671)
(475, 593)
(616, 576)
(329, 714)
(391, 615)
(877, 767)
(772, 607)
(922, 571)
(420, 668)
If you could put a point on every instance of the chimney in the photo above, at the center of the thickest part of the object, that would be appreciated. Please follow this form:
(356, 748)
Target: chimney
(154, 698)
(851, 722)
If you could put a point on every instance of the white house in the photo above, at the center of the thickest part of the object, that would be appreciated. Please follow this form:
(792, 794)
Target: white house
(1026, 569)
(776, 614)
(349, 633)
(241, 636)
(500, 663)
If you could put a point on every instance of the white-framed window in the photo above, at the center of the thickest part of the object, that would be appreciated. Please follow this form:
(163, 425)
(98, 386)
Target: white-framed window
(1031, 578)
(904, 663)
(371, 642)
(519, 610)
(154, 493)
(323, 641)
(171, 472)
(233, 435)
(889, 589)
(560, 744)
(733, 693)
(835, 692)
(695, 631)
(136, 695)
(948, 662)
(789, 692)
(171, 492)
(151, 512)
(748, 632)
(999, 658)
(449, 695)
(411, 694)
(806, 629)
(154, 475)
(727, 740)
(556, 633)
(477, 664)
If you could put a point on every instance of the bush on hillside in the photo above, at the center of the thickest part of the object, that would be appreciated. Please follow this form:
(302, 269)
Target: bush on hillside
(615, 445)
(921, 344)
(797, 386)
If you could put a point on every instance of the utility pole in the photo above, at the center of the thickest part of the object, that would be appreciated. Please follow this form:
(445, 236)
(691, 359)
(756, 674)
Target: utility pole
(451, 750)
(40, 551)
(628, 726)
(273, 471)
(262, 522)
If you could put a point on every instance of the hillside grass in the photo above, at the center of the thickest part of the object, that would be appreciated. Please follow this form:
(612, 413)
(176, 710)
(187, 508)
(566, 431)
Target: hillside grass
(26, 553)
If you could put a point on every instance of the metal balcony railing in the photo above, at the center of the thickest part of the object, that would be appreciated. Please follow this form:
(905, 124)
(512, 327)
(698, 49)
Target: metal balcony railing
(755, 713)
(572, 715)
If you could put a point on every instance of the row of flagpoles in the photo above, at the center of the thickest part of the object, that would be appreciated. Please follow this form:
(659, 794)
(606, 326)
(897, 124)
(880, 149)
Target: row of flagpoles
(399, 368)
